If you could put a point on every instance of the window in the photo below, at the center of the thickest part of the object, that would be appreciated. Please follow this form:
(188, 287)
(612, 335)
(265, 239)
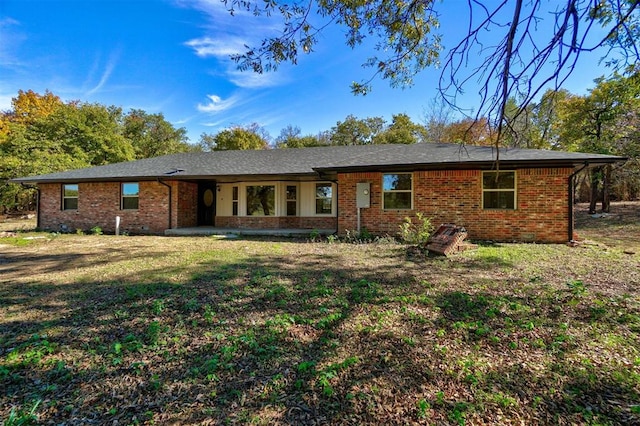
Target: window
(70, 197)
(261, 200)
(234, 201)
(324, 198)
(130, 193)
(499, 190)
(292, 200)
(397, 191)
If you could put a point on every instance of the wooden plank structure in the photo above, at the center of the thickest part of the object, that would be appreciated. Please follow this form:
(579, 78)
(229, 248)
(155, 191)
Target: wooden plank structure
(448, 239)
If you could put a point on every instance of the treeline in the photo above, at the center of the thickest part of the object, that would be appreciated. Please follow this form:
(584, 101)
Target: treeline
(42, 134)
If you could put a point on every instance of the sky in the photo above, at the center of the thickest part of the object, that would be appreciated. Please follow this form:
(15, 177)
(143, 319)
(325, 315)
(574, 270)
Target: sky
(172, 57)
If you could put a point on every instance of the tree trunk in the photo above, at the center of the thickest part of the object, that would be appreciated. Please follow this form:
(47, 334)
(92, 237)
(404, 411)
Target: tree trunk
(606, 192)
(595, 186)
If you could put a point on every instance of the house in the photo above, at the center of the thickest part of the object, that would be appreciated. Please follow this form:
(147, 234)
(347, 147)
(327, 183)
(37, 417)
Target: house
(525, 196)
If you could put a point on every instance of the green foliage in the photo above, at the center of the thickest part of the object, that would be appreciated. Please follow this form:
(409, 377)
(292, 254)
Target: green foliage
(423, 408)
(96, 230)
(374, 130)
(402, 131)
(314, 235)
(417, 232)
(290, 137)
(44, 135)
(23, 417)
(151, 135)
(355, 131)
(235, 138)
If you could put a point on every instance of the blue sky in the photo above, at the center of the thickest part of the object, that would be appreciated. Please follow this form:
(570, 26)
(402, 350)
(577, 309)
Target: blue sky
(171, 56)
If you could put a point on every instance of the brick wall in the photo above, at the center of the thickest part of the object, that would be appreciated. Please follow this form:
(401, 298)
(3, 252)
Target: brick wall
(185, 200)
(274, 222)
(99, 204)
(450, 196)
(455, 196)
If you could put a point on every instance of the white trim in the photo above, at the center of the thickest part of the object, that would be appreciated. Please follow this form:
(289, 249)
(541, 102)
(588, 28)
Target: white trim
(305, 203)
(122, 196)
(64, 197)
(398, 190)
(514, 190)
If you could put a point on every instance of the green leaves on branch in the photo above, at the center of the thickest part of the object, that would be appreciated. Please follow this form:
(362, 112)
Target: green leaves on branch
(403, 32)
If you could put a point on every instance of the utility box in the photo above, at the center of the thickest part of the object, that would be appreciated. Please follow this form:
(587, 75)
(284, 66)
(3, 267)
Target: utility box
(363, 195)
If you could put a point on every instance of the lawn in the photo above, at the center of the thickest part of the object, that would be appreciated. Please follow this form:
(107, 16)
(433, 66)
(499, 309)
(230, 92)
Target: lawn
(98, 329)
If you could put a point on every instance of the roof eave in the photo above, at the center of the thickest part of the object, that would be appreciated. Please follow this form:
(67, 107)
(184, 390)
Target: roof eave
(504, 164)
(178, 177)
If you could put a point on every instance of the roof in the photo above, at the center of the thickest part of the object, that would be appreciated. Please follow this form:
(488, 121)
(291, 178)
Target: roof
(311, 162)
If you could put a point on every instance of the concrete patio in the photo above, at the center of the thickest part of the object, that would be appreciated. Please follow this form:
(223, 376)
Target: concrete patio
(234, 232)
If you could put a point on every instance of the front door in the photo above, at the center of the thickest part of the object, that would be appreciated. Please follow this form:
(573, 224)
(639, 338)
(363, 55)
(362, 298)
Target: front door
(207, 203)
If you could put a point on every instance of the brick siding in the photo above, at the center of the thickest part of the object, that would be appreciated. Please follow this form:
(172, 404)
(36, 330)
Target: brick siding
(99, 204)
(185, 200)
(455, 196)
(449, 196)
(275, 222)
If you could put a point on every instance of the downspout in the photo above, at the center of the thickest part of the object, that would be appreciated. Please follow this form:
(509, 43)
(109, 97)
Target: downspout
(570, 198)
(37, 188)
(170, 200)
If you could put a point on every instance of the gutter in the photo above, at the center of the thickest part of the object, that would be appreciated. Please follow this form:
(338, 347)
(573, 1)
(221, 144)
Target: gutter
(170, 199)
(570, 198)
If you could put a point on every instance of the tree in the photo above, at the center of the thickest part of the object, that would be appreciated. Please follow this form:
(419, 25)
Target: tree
(290, 137)
(90, 132)
(469, 131)
(355, 131)
(27, 153)
(249, 137)
(530, 53)
(546, 119)
(401, 130)
(151, 135)
(437, 116)
(26, 108)
(29, 106)
(599, 122)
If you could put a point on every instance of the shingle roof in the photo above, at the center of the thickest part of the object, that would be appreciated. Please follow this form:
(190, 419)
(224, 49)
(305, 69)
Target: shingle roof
(311, 161)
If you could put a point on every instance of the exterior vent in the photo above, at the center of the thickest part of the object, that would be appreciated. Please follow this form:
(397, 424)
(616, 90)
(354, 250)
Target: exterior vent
(174, 172)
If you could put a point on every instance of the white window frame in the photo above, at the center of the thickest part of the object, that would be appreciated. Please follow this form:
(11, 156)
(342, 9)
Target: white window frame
(316, 198)
(514, 190)
(287, 200)
(65, 197)
(235, 202)
(384, 192)
(123, 196)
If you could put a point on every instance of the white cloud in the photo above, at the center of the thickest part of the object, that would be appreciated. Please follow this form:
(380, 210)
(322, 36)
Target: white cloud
(253, 80)
(111, 64)
(220, 48)
(12, 38)
(225, 35)
(5, 102)
(217, 104)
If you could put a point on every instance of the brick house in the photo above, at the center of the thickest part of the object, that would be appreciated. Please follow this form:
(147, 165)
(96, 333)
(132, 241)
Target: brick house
(526, 196)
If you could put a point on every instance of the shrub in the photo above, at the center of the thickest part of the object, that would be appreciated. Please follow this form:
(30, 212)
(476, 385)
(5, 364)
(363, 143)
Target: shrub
(417, 232)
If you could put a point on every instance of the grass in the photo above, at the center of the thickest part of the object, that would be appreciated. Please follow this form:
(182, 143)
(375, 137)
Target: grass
(153, 330)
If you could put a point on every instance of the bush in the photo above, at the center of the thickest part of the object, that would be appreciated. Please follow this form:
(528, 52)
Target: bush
(417, 232)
